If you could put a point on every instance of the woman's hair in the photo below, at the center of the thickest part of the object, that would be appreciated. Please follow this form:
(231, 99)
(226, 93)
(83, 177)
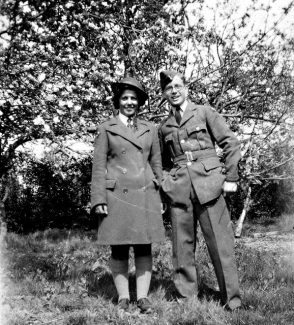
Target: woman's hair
(117, 95)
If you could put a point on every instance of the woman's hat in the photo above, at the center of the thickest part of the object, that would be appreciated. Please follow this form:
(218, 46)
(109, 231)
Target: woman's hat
(131, 83)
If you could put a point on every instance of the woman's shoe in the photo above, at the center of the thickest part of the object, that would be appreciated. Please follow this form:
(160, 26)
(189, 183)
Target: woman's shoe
(123, 304)
(144, 305)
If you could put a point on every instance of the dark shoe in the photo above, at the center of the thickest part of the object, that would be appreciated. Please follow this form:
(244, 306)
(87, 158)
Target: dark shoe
(144, 305)
(123, 304)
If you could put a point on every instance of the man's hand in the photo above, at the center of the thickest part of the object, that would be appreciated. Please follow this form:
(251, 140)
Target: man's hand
(101, 209)
(229, 187)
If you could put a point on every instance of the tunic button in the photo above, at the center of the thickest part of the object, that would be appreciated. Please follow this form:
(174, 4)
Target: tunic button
(125, 190)
(124, 171)
(198, 128)
(189, 163)
(183, 141)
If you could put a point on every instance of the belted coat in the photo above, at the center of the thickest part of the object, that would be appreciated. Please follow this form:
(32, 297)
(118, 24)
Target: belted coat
(126, 176)
(200, 129)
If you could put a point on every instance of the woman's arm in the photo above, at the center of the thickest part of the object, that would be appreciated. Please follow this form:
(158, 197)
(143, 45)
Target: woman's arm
(98, 183)
(155, 156)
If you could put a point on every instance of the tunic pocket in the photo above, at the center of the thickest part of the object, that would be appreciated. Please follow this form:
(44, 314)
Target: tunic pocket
(198, 132)
(211, 163)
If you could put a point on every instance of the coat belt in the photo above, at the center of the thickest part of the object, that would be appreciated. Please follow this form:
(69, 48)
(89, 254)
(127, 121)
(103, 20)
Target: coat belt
(190, 156)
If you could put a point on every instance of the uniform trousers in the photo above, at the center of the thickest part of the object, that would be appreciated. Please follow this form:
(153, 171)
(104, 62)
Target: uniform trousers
(215, 223)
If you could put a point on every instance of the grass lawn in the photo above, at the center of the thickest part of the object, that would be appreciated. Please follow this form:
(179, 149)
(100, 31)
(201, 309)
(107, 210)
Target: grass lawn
(62, 277)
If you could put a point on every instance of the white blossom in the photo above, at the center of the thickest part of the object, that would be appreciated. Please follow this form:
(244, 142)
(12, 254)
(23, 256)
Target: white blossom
(38, 121)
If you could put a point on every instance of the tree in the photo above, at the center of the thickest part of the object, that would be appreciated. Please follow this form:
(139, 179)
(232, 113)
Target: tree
(59, 58)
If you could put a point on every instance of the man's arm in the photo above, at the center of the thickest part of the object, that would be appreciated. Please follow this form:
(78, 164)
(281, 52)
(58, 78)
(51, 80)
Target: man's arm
(227, 141)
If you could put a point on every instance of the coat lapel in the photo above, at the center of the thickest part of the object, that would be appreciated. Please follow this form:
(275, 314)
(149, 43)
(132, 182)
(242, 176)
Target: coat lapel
(142, 128)
(171, 120)
(188, 114)
(116, 126)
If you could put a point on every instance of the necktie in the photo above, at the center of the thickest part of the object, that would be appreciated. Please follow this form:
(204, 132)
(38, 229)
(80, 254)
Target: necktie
(129, 123)
(178, 114)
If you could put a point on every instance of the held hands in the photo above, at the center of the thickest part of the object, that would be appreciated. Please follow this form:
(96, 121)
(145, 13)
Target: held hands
(101, 209)
(229, 187)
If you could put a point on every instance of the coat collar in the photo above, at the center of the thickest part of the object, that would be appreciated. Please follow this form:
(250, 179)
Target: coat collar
(115, 125)
(188, 114)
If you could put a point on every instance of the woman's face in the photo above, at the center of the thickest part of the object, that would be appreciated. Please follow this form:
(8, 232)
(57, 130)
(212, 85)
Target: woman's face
(128, 103)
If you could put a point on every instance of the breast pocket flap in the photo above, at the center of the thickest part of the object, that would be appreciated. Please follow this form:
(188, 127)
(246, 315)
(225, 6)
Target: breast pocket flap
(196, 128)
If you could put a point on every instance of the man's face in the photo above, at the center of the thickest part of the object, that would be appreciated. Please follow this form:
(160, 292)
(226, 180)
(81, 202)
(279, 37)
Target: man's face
(176, 92)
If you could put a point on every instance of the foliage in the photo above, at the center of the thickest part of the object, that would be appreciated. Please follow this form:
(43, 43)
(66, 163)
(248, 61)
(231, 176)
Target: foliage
(44, 196)
(58, 59)
(62, 276)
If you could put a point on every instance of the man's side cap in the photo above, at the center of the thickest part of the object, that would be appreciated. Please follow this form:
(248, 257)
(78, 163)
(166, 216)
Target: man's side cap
(166, 77)
(132, 83)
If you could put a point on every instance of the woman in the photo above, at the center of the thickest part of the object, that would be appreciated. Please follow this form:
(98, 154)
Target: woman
(125, 190)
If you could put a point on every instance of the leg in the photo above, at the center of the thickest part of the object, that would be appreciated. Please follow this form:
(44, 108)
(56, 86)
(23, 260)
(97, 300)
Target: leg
(217, 230)
(119, 268)
(143, 263)
(184, 243)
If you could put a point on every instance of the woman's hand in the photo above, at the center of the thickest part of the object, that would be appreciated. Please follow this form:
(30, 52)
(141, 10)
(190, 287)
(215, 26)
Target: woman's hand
(101, 209)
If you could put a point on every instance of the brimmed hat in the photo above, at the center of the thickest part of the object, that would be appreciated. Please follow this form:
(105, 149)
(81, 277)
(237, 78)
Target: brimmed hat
(131, 83)
(166, 77)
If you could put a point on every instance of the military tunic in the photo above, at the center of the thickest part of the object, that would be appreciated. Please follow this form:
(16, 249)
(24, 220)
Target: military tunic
(194, 189)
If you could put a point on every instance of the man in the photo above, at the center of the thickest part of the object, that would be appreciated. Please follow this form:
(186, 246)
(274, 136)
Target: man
(195, 187)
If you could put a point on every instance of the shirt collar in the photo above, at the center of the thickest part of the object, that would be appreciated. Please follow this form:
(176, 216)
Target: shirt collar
(183, 108)
(124, 118)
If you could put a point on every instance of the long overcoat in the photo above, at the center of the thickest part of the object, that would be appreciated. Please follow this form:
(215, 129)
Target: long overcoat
(201, 128)
(126, 176)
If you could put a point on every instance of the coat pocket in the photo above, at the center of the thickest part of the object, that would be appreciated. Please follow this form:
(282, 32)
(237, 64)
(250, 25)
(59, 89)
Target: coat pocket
(110, 184)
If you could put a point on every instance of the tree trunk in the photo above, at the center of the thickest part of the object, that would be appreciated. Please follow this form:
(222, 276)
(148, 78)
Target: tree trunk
(3, 227)
(241, 219)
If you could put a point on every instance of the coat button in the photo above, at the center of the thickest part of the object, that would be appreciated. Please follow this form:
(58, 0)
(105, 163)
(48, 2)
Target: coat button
(123, 152)
(189, 163)
(198, 128)
(183, 141)
(125, 190)
(124, 171)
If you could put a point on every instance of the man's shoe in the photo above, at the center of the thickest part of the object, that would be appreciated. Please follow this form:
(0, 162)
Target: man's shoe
(144, 305)
(123, 304)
